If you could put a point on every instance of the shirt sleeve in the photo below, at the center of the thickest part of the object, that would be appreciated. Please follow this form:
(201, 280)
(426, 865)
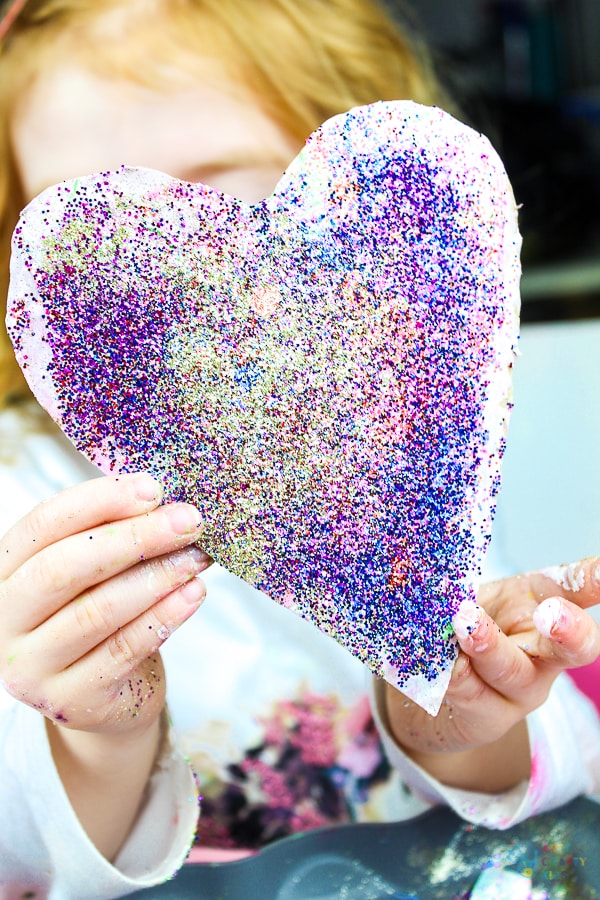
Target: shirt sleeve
(43, 847)
(564, 737)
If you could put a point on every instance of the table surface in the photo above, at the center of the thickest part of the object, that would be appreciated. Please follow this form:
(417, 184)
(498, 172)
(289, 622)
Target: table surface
(436, 856)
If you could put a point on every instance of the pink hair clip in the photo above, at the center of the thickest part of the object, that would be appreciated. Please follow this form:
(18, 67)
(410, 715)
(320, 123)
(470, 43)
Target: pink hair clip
(9, 17)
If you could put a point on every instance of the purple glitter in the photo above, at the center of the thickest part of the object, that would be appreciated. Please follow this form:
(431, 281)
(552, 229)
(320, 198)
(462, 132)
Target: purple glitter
(326, 374)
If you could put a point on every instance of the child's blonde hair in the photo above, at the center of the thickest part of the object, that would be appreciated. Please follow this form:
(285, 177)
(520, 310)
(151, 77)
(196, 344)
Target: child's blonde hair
(304, 60)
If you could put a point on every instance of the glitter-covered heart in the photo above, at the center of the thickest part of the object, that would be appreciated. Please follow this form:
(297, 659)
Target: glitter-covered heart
(325, 374)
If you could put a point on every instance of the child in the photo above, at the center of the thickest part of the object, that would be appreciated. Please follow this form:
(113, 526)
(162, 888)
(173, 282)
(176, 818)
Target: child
(273, 715)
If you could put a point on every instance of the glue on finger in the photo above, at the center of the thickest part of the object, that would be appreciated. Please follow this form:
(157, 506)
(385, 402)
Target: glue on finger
(550, 616)
(467, 620)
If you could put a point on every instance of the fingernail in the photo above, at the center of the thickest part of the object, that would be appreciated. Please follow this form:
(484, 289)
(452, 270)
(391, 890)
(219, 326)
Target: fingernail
(189, 562)
(164, 632)
(147, 489)
(193, 592)
(183, 518)
(461, 664)
(549, 616)
(467, 620)
(200, 558)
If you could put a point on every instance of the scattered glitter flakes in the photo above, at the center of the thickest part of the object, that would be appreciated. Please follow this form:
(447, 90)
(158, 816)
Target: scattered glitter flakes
(325, 374)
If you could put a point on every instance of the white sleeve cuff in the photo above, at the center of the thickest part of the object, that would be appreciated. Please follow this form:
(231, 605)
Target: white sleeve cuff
(166, 823)
(43, 846)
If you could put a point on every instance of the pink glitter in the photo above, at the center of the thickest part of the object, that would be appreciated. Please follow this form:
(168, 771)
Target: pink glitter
(325, 374)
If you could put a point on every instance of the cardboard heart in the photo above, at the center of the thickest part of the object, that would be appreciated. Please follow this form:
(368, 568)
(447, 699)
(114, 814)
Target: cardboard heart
(326, 374)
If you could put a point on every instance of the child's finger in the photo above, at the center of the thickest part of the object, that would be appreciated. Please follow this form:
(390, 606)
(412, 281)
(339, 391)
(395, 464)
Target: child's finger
(499, 661)
(578, 581)
(64, 570)
(571, 638)
(479, 713)
(88, 621)
(127, 648)
(74, 510)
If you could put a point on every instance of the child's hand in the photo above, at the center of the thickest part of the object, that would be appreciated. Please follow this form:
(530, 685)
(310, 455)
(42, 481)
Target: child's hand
(91, 584)
(524, 632)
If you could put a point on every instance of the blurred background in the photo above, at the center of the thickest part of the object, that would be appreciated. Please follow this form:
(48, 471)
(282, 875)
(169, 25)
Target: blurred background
(527, 74)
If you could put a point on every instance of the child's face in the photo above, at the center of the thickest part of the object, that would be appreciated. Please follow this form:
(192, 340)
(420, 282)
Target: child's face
(73, 122)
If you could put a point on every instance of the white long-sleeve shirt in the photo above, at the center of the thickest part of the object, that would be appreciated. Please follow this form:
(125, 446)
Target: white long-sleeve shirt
(271, 722)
